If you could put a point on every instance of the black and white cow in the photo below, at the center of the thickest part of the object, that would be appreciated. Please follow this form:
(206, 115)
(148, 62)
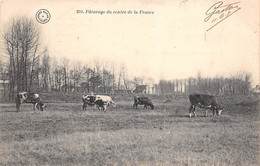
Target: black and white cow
(206, 102)
(100, 101)
(26, 97)
(143, 101)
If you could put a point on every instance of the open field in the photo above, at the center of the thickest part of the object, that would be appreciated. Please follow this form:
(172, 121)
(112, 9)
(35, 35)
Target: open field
(63, 134)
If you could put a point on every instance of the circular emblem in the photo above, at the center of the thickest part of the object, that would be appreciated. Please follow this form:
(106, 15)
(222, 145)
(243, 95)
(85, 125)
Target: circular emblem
(43, 16)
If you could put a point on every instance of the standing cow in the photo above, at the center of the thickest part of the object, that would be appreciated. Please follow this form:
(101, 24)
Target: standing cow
(204, 101)
(26, 97)
(143, 101)
(101, 101)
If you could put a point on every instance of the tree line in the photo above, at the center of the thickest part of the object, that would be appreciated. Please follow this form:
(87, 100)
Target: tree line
(30, 67)
(239, 84)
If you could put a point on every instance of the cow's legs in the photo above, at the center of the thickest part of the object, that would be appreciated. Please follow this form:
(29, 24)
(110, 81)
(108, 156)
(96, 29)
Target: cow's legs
(84, 106)
(206, 112)
(34, 106)
(104, 108)
(135, 105)
(18, 106)
(192, 109)
(97, 107)
(214, 112)
(41, 107)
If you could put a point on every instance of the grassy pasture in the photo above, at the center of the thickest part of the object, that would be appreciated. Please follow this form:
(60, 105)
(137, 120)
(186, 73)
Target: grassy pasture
(64, 134)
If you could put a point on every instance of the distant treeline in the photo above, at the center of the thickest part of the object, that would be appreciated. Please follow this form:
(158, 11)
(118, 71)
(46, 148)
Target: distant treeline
(29, 67)
(239, 84)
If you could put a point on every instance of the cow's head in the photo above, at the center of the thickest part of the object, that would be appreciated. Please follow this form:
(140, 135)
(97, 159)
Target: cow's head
(40, 106)
(152, 106)
(22, 96)
(113, 104)
(90, 99)
(219, 110)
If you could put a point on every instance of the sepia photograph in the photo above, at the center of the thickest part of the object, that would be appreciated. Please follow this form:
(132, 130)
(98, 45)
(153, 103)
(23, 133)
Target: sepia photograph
(129, 83)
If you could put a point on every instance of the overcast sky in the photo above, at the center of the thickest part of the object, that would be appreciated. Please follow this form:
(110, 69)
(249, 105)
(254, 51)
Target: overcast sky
(171, 43)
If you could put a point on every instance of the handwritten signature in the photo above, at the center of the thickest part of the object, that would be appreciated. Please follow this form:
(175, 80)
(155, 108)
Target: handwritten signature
(219, 12)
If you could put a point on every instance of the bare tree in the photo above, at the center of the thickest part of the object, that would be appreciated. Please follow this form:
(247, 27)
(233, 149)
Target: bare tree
(56, 75)
(113, 69)
(181, 84)
(21, 41)
(4, 78)
(88, 74)
(77, 74)
(119, 80)
(65, 72)
(247, 83)
(124, 76)
(45, 70)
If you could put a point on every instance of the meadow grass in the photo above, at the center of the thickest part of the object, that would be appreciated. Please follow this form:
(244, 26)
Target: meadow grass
(65, 135)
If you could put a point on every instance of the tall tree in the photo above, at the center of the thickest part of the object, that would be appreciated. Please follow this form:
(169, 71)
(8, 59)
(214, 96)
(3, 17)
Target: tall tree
(45, 70)
(65, 72)
(21, 41)
(77, 74)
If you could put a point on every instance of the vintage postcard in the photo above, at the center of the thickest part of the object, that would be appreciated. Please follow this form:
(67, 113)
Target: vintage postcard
(137, 82)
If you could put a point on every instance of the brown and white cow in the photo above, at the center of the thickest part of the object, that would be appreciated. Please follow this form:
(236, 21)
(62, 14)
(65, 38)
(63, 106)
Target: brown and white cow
(206, 102)
(103, 101)
(143, 101)
(26, 97)
(100, 101)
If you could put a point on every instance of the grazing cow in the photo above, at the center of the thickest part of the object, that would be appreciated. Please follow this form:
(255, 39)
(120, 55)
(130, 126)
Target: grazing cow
(206, 102)
(26, 97)
(103, 102)
(88, 100)
(143, 101)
